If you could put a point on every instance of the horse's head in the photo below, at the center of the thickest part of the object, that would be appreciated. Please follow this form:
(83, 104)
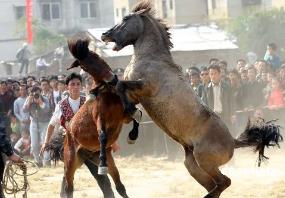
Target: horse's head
(128, 31)
(89, 61)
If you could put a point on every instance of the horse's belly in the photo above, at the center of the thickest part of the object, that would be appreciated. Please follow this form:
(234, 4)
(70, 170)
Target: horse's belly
(180, 116)
(90, 141)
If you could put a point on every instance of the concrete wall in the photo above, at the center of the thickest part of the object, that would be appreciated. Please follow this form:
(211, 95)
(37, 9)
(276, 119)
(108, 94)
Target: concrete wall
(278, 3)
(220, 11)
(235, 8)
(70, 16)
(119, 5)
(190, 11)
(10, 38)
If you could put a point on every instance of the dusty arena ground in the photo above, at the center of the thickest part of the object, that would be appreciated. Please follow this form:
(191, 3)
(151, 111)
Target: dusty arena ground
(150, 177)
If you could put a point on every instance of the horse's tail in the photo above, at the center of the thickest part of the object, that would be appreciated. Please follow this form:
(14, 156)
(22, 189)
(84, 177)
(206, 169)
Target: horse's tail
(55, 146)
(79, 47)
(259, 135)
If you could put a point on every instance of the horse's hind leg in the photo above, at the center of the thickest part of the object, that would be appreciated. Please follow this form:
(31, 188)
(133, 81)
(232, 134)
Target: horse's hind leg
(113, 171)
(222, 182)
(71, 163)
(208, 163)
(196, 172)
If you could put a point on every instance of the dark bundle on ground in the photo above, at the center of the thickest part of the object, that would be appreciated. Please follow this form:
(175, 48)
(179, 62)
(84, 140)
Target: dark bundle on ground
(55, 146)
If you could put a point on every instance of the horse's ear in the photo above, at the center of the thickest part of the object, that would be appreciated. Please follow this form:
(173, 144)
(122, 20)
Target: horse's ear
(73, 65)
(143, 11)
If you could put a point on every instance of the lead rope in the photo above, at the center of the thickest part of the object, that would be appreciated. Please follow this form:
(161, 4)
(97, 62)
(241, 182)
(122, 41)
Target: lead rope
(12, 173)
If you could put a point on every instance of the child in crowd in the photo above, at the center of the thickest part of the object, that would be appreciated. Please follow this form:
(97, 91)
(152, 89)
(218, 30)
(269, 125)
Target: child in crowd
(22, 147)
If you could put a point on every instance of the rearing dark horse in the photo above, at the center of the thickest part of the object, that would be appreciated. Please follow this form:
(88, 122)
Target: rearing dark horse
(155, 81)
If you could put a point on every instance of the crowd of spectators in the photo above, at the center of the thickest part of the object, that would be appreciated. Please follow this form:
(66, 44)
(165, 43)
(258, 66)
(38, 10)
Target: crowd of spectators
(29, 105)
(244, 90)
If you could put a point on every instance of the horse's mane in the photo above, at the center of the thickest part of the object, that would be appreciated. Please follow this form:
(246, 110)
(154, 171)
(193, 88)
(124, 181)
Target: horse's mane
(164, 29)
(78, 46)
(161, 25)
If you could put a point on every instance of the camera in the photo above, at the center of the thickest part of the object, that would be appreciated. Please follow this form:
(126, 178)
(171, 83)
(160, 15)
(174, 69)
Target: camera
(35, 95)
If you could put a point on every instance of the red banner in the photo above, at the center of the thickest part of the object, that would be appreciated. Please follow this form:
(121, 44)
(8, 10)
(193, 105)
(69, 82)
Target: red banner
(29, 14)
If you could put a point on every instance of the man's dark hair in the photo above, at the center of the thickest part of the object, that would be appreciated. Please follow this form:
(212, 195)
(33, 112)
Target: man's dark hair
(44, 80)
(241, 60)
(215, 67)
(223, 62)
(3, 82)
(73, 76)
(235, 72)
(196, 69)
(272, 46)
(204, 68)
(31, 77)
(35, 88)
(24, 86)
(53, 77)
(61, 82)
(10, 81)
(213, 59)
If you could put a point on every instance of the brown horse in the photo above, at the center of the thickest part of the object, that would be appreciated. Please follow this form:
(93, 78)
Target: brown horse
(154, 80)
(97, 124)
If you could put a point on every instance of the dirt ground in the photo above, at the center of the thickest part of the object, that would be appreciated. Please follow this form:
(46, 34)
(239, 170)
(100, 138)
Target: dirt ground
(150, 177)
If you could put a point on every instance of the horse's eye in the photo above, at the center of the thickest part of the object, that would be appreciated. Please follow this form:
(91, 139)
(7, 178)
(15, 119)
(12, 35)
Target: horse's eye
(126, 18)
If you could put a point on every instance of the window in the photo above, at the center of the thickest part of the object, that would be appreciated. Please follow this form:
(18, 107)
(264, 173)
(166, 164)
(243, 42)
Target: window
(84, 10)
(20, 11)
(92, 8)
(164, 9)
(88, 9)
(124, 12)
(50, 11)
(214, 5)
(55, 11)
(170, 4)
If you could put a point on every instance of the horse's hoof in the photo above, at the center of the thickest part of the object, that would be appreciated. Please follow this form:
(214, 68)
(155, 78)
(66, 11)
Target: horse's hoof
(103, 170)
(130, 141)
(137, 115)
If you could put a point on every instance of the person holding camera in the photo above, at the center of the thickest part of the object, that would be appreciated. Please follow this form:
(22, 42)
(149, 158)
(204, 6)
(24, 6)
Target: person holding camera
(38, 107)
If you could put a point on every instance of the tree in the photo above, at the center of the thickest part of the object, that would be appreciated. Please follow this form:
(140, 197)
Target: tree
(256, 29)
(44, 39)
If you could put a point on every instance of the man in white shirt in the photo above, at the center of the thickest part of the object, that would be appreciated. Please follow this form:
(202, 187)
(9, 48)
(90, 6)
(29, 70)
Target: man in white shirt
(64, 111)
(41, 66)
(219, 95)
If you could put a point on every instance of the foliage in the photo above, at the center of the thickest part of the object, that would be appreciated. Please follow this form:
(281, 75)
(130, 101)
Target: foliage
(256, 29)
(44, 39)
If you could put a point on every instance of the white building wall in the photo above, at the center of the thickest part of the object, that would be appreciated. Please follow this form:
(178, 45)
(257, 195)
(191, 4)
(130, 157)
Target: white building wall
(10, 39)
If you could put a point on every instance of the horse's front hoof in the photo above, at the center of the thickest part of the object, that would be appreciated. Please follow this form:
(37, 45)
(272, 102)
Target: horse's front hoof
(103, 170)
(137, 115)
(130, 141)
